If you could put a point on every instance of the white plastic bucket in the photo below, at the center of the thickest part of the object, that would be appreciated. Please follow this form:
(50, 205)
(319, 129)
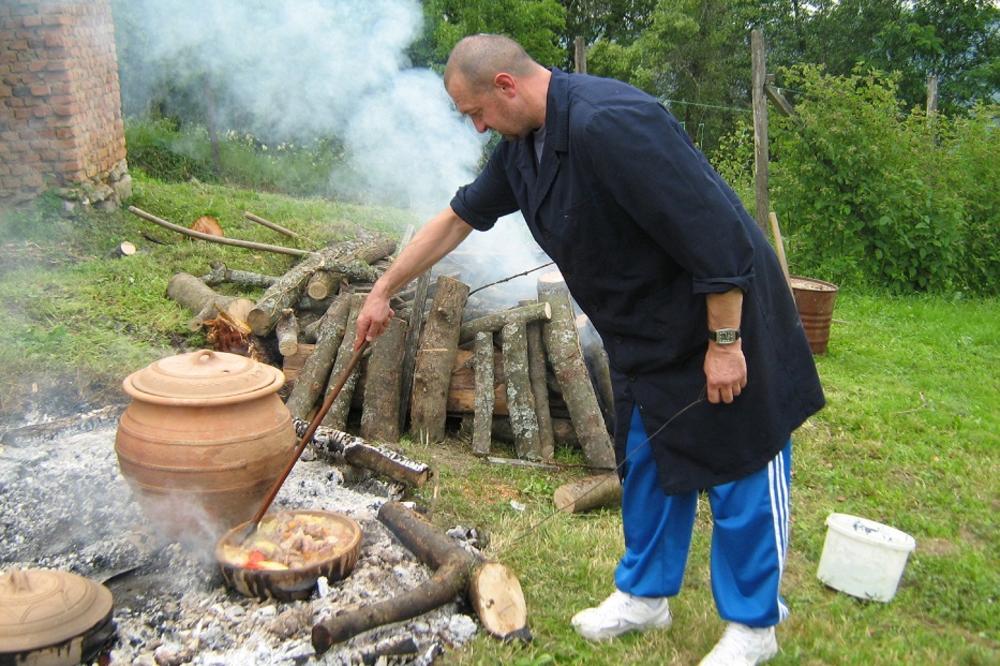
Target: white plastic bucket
(863, 558)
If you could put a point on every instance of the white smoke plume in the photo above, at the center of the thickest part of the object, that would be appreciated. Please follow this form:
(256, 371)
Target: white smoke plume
(299, 69)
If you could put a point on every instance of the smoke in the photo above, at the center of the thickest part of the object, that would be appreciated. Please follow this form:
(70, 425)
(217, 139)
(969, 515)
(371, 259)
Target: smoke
(301, 69)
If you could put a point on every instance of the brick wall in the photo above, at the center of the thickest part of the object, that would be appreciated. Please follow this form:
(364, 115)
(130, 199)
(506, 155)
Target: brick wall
(60, 103)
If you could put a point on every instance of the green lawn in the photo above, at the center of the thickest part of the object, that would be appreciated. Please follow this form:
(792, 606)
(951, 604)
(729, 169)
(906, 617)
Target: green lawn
(909, 438)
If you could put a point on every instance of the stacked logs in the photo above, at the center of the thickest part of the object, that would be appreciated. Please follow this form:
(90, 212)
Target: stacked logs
(519, 374)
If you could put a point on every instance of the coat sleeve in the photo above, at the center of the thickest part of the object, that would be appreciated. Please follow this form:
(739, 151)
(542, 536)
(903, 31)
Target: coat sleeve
(487, 198)
(646, 161)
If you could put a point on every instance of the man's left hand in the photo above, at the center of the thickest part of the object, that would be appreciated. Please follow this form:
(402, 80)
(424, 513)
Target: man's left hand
(725, 372)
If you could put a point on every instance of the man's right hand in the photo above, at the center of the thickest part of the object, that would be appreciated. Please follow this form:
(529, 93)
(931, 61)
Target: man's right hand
(373, 318)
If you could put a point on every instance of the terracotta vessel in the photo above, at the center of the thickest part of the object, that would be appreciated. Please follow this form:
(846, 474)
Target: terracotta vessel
(203, 440)
(53, 618)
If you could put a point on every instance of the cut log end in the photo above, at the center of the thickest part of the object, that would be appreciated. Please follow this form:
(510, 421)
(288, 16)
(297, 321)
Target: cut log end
(498, 600)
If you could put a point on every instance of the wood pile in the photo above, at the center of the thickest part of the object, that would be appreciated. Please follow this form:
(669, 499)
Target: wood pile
(515, 373)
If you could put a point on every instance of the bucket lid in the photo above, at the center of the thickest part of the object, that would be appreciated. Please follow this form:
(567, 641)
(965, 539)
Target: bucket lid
(869, 531)
(203, 377)
(39, 608)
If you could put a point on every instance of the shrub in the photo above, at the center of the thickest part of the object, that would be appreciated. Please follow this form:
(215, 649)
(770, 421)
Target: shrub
(870, 195)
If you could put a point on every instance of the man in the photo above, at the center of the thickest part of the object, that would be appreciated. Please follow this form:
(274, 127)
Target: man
(690, 302)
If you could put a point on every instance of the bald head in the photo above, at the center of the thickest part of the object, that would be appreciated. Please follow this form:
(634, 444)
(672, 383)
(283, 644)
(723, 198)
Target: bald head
(479, 58)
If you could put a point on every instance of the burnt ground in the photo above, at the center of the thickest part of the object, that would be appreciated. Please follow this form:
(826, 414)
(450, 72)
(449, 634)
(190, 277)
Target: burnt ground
(64, 505)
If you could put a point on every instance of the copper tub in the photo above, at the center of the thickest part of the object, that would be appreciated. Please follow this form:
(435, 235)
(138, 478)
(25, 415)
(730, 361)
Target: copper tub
(293, 583)
(203, 440)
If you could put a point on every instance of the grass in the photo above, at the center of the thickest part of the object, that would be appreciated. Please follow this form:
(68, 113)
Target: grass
(909, 438)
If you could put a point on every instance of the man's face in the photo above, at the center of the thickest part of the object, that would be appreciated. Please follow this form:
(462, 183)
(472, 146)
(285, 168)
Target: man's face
(496, 108)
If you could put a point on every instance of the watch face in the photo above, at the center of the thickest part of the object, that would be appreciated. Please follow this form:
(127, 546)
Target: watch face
(726, 336)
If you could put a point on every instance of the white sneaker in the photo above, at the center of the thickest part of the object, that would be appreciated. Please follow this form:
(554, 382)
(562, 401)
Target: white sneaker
(621, 613)
(741, 645)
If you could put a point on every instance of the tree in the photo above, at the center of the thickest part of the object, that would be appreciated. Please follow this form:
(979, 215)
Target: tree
(537, 25)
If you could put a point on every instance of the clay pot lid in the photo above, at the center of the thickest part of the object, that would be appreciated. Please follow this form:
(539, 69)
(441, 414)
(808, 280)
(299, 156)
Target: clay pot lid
(202, 378)
(40, 608)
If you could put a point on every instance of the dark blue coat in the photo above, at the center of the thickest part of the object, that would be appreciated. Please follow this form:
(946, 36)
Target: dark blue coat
(642, 228)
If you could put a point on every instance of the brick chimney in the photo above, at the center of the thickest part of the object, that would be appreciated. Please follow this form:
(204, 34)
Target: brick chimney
(60, 102)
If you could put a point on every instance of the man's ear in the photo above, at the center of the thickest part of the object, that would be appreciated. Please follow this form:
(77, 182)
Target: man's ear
(505, 83)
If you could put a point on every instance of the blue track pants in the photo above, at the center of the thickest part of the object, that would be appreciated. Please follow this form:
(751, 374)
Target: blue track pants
(749, 535)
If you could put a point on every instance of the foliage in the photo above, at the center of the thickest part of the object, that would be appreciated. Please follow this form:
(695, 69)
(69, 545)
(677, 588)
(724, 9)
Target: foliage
(871, 195)
(162, 149)
(535, 24)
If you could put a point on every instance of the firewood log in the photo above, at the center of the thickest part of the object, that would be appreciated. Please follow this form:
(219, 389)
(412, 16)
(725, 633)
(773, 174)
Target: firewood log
(520, 400)
(316, 371)
(415, 318)
(356, 451)
(540, 390)
(592, 492)
(350, 257)
(337, 416)
(482, 426)
(380, 412)
(323, 284)
(462, 391)
(292, 365)
(497, 320)
(287, 332)
(600, 370)
(435, 358)
(495, 592)
(563, 346)
(196, 296)
(221, 274)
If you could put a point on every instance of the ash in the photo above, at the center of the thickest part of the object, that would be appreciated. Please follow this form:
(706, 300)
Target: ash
(64, 505)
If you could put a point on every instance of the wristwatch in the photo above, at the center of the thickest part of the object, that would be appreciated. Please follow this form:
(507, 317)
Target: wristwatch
(724, 336)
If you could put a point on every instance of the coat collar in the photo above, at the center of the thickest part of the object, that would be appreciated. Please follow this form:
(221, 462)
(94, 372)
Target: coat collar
(556, 141)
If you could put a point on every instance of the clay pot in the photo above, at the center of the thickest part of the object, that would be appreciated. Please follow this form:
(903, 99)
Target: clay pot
(53, 618)
(203, 440)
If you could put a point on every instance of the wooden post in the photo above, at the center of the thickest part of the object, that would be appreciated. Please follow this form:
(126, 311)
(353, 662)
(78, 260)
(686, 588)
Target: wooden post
(482, 423)
(932, 94)
(380, 412)
(758, 80)
(580, 55)
(435, 359)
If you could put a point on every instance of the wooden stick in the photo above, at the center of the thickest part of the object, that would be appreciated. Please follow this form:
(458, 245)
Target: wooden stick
(277, 227)
(779, 247)
(250, 245)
